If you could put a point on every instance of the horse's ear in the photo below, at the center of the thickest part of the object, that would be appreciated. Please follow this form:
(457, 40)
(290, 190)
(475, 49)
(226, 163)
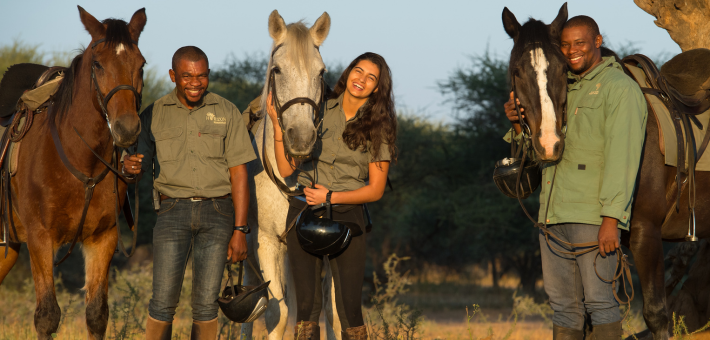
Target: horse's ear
(137, 23)
(319, 30)
(277, 27)
(95, 28)
(510, 24)
(559, 22)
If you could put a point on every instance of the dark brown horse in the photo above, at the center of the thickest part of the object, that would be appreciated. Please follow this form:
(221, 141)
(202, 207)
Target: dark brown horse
(655, 217)
(48, 198)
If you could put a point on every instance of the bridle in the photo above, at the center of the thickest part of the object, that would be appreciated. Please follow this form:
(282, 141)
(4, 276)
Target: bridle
(280, 109)
(103, 100)
(91, 182)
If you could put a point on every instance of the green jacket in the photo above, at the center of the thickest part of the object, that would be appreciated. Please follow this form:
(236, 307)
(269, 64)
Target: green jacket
(606, 127)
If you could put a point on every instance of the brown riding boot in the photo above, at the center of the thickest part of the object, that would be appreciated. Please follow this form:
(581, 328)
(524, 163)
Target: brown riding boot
(158, 330)
(355, 333)
(563, 333)
(204, 330)
(608, 331)
(307, 330)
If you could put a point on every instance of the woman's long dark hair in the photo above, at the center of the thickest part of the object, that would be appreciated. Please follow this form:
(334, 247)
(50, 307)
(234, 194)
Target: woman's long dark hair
(378, 123)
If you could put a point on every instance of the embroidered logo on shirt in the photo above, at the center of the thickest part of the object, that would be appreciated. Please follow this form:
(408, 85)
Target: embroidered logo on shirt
(214, 119)
(597, 90)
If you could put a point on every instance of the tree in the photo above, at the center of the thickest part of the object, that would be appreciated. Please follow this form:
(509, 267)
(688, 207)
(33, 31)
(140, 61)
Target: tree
(685, 21)
(496, 224)
(240, 80)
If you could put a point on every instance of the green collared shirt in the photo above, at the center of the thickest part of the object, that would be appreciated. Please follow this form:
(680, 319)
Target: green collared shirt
(336, 166)
(194, 149)
(606, 127)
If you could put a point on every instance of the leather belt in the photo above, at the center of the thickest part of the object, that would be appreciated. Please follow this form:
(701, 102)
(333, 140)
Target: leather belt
(196, 199)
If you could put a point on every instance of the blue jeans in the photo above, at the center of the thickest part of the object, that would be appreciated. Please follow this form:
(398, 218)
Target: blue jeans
(202, 228)
(571, 282)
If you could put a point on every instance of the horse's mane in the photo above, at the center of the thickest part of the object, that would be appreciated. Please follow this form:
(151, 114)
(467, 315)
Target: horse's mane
(63, 97)
(300, 50)
(533, 33)
(116, 33)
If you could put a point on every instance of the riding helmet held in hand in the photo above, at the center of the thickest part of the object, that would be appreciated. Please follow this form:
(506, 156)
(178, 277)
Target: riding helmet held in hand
(506, 174)
(321, 235)
(243, 304)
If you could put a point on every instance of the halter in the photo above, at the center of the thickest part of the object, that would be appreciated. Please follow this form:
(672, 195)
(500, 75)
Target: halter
(280, 109)
(103, 100)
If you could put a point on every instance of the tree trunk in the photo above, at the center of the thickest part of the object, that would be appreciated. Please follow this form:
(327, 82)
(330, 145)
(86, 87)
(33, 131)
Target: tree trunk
(494, 273)
(685, 20)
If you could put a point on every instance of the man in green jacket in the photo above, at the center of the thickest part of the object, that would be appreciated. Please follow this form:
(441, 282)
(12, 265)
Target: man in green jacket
(593, 186)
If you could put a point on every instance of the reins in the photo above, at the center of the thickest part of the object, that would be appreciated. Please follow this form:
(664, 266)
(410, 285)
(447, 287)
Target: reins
(622, 264)
(91, 182)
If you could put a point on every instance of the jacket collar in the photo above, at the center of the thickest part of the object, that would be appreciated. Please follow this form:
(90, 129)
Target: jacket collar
(335, 102)
(208, 99)
(606, 62)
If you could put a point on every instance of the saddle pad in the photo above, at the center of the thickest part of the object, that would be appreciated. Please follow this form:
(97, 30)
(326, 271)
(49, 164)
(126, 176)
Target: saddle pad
(666, 129)
(33, 99)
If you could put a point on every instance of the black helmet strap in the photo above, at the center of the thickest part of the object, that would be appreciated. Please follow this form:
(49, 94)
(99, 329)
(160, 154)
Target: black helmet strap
(230, 272)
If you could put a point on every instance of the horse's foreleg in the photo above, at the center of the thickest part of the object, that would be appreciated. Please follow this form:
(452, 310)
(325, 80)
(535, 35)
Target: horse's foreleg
(333, 327)
(647, 248)
(250, 278)
(47, 312)
(6, 263)
(98, 250)
(274, 264)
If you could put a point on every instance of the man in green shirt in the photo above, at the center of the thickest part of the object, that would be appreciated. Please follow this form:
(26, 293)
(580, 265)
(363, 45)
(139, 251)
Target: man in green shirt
(200, 146)
(593, 185)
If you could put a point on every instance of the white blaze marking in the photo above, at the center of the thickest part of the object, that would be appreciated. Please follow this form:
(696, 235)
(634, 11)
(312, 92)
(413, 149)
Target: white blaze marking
(120, 48)
(548, 135)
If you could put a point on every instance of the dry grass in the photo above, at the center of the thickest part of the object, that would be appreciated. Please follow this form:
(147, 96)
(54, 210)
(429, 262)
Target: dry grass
(504, 315)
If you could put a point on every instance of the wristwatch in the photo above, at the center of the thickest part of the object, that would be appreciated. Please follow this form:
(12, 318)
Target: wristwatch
(245, 229)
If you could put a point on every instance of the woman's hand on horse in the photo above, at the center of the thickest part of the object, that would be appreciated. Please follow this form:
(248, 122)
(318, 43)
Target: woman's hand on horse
(132, 164)
(315, 196)
(270, 108)
(237, 250)
(510, 111)
(608, 236)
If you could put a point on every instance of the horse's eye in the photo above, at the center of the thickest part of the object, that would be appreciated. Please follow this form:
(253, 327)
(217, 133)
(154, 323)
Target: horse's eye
(277, 70)
(322, 72)
(97, 65)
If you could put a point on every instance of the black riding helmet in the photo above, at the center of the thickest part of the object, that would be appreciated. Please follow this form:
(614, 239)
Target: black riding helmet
(506, 176)
(321, 235)
(243, 304)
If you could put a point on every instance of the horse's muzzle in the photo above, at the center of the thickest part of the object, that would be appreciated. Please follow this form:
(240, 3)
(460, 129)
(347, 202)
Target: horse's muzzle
(125, 130)
(299, 142)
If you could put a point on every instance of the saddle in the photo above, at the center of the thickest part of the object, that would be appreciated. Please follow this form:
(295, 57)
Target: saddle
(17, 79)
(688, 79)
(25, 90)
(683, 87)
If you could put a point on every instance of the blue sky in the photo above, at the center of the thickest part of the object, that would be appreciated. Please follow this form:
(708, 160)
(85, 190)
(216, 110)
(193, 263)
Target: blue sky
(423, 41)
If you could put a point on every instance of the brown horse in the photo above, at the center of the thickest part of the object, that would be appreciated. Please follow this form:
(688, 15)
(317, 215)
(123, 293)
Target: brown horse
(48, 198)
(655, 217)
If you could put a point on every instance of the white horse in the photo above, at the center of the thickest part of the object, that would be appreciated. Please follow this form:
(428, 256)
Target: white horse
(295, 71)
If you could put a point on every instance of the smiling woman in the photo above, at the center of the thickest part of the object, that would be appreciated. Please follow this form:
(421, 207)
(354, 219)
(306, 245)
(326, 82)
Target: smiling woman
(349, 168)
